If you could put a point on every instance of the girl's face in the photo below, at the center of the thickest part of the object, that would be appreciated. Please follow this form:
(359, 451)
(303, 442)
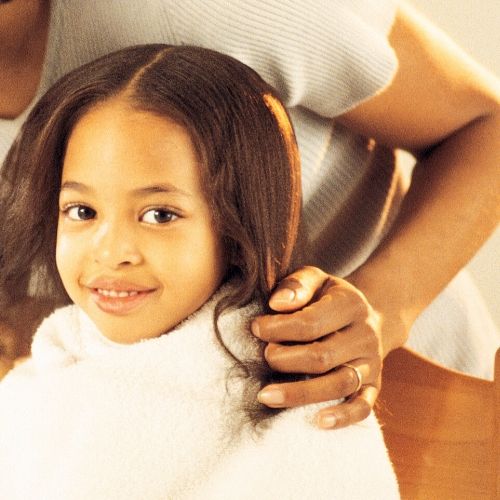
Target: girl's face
(136, 246)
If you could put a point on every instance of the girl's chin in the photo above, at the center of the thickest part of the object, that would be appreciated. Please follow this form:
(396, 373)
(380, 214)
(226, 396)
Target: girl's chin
(126, 329)
(130, 335)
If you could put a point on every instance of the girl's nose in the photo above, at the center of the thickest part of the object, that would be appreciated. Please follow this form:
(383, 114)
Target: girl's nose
(115, 246)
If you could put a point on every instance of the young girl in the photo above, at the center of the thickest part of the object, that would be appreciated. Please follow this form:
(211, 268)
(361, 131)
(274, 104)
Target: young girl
(157, 189)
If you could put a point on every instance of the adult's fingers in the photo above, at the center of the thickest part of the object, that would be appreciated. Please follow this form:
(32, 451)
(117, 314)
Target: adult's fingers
(297, 290)
(336, 384)
(351, 411)
(328, 352)
(337, 307)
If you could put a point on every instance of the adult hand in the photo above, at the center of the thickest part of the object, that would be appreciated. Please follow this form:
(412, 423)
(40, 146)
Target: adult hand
(330, 323)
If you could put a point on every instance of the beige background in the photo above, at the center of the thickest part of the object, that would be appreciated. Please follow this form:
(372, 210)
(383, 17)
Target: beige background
(475, 26)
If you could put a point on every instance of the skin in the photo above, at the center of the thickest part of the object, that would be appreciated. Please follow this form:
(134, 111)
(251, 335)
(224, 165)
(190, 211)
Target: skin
(134, 221)
(453, 198)
(24, 26)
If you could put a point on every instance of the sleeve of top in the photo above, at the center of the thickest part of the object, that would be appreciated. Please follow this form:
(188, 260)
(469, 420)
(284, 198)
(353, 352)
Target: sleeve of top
(326, 55)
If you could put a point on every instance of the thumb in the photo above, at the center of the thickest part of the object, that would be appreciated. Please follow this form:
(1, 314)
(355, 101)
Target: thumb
(296, 290)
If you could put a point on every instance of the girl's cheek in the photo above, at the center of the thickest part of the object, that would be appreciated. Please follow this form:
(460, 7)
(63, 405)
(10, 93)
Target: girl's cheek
(66, 254)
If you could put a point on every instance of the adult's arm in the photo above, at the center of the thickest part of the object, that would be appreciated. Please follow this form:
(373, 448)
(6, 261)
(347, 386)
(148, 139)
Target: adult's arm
(445, 109)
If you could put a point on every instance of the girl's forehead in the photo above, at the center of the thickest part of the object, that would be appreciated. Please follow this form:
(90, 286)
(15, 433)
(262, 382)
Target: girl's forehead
(121, 110)
(114, 141)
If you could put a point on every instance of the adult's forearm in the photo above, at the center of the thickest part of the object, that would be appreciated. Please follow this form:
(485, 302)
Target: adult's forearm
(451, 208)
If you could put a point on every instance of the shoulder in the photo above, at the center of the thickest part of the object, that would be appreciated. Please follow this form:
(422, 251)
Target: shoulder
(417, 111)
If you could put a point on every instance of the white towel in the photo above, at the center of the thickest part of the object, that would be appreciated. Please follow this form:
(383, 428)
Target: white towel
(86, 418)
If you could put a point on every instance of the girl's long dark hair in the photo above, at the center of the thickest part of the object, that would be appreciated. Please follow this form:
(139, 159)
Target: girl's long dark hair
(243, 137)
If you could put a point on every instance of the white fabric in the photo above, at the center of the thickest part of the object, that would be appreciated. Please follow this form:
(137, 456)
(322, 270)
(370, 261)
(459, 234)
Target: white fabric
(89, 419)
(324, 58)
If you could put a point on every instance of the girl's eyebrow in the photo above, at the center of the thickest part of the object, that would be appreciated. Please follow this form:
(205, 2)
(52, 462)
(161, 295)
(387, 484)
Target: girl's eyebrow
(160, 188)
(142, 191)
(75, 186)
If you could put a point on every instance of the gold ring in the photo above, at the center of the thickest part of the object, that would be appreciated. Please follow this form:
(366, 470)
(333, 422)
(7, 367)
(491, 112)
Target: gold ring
(357, 371)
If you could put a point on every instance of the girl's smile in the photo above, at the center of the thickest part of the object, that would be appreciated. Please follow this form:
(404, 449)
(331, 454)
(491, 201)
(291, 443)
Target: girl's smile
(136, 245)
(119, 303)
(119, 297)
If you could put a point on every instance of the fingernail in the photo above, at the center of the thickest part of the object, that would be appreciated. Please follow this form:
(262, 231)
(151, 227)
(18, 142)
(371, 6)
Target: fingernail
(327, 421)
(271, 397)
(283, 296)
(255, 329)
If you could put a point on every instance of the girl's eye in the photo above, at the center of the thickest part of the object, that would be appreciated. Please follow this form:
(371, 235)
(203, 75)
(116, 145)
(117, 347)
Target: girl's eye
(158, 216)
(80, 212)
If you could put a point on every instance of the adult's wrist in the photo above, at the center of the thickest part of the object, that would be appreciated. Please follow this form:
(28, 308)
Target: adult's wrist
(391, 302)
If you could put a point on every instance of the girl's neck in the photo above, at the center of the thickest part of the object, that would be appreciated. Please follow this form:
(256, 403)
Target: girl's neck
(24, 27)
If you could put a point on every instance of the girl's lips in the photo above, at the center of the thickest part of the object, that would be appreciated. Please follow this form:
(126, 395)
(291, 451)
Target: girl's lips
(119, 302)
